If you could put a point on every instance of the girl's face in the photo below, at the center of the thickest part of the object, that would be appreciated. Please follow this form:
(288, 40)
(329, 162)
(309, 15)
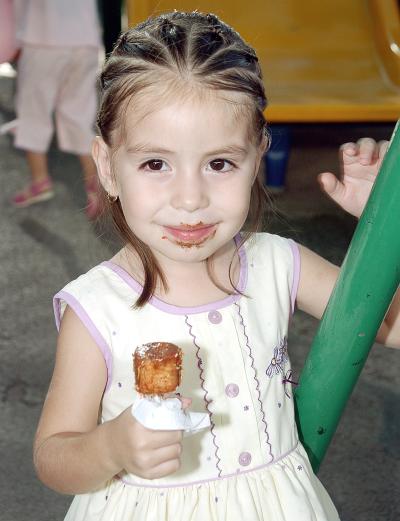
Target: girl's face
(183, 177)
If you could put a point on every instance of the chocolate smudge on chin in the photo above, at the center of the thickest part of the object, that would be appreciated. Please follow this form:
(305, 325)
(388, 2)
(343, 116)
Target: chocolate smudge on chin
(183, 244)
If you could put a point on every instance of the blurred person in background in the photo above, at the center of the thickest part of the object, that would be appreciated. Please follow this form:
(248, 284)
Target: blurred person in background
(56, 83)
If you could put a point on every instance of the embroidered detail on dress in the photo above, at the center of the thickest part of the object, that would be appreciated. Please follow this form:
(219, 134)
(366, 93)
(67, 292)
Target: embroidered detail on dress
(277, 366)
(288, 380)
(279, 359)
(207, 401)
(250, 353)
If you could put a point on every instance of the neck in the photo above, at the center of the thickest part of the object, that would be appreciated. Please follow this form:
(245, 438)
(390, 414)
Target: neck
(189, 284)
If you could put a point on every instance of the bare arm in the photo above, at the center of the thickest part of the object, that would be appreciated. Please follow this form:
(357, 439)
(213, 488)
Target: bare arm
(68, 437)
(317, 279)
(72, 453)
(360, 163)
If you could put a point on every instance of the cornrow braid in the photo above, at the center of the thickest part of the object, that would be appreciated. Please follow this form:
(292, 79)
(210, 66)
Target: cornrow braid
(174, 37)
(190, 47)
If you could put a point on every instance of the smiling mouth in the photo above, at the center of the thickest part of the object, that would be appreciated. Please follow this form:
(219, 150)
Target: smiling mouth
(189, 235)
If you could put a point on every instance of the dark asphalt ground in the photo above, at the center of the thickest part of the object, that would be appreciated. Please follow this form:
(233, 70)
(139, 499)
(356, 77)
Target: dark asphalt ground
(45, 246)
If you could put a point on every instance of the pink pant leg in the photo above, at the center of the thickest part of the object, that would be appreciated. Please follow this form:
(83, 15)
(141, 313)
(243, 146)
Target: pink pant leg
(76, 104)
(39, 72)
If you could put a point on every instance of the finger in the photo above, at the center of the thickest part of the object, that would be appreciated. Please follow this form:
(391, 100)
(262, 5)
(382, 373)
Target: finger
(368, 150)
(348, 153)
(382, 148)
(329, 183)
(350, 149)
(163, 454)
(186, 402)
(158, 439)
(164, 469)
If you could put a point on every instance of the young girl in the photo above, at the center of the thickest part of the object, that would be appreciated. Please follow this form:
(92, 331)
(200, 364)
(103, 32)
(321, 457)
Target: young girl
(182, 136)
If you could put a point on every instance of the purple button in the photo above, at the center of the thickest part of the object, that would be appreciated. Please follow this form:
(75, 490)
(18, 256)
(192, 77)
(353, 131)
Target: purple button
(232, 390)
(215, 317)
(245, 458)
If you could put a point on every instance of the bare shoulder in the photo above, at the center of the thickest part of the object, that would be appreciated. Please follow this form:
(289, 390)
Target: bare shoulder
(78, 382)
(317, 279)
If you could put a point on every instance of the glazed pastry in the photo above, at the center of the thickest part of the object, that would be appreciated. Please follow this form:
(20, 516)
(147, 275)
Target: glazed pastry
(157, 367)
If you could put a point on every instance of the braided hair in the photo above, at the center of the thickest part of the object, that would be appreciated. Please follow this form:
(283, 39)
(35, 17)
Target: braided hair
(194, 48)
(186, 45)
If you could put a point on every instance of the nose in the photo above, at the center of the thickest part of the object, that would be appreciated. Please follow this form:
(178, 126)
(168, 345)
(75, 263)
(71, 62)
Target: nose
(190, 192)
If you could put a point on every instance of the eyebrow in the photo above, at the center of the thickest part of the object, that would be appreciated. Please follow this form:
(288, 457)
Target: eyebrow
(230, 149)
(145, 148)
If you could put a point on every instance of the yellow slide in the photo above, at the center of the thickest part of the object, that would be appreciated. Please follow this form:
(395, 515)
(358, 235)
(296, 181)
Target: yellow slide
(323, 61)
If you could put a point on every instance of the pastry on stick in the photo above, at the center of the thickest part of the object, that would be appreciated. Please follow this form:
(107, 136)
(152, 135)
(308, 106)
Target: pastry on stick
(157, 368)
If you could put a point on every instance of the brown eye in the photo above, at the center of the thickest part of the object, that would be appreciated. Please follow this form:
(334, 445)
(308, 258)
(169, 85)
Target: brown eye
(155, 164)
(221, 165)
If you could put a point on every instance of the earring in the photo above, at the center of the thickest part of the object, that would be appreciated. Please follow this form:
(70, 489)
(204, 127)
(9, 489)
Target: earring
(112, 198)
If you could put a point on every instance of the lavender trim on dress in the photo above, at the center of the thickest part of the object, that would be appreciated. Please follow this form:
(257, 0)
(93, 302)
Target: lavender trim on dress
(296, 272)
(207, 401)
(243, 472)
(255, 378)
(188, 310)
(75, 305)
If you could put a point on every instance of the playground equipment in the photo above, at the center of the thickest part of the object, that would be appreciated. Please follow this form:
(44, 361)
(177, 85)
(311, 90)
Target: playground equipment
(363, 292)
(322, 61)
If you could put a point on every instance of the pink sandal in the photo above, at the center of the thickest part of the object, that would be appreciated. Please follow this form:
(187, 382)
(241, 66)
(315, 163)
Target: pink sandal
(94, 206)
(34, 193)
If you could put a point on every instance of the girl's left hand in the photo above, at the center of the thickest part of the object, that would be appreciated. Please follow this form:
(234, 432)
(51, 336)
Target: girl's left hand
(360, 165)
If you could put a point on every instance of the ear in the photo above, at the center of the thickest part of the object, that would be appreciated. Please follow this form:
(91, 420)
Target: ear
(101, 156)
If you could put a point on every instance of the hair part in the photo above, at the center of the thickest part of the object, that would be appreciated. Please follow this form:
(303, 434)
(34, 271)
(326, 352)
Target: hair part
(196, 54)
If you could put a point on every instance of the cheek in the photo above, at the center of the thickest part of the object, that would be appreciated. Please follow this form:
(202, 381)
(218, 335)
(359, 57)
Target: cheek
(238, 197)
(244, 204)
(134, 203)
(136, 196)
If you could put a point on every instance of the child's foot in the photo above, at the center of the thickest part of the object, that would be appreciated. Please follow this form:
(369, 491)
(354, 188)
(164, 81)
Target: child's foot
(94, 206)
(36, 192)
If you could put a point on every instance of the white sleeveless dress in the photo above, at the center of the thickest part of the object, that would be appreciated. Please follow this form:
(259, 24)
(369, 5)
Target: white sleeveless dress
(249, 465)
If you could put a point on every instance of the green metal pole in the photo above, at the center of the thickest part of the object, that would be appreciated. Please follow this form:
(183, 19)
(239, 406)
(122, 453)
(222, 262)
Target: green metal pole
(368, 279)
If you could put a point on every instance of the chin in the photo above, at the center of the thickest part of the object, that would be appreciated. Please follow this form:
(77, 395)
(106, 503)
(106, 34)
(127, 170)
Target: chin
(188, 252)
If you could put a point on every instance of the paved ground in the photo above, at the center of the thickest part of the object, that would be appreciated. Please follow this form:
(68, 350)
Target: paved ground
(44, 247)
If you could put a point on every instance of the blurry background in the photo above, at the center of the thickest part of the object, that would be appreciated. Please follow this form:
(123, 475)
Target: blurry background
(330, 79)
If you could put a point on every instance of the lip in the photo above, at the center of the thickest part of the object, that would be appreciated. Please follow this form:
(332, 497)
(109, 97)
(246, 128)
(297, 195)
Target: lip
(191, 233)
